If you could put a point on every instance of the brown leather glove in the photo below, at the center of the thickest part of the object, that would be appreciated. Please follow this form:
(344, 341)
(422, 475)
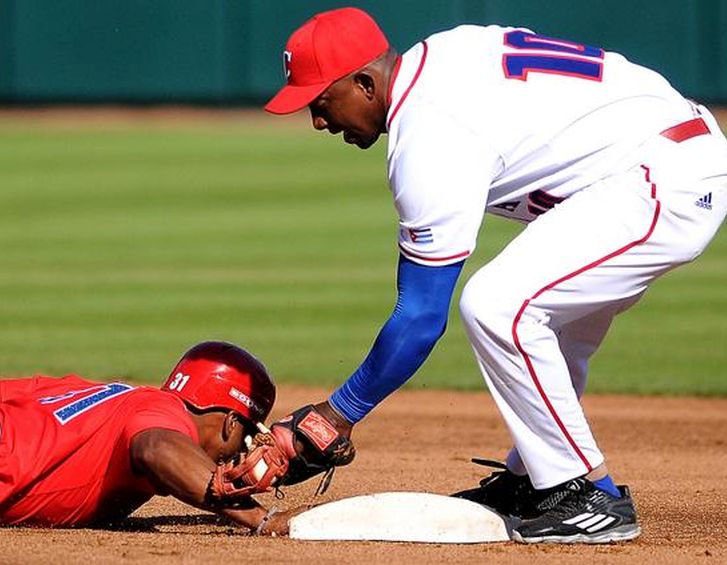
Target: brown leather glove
(258, 470)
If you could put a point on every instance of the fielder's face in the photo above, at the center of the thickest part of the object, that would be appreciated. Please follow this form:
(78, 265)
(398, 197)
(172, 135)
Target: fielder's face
(349, 106)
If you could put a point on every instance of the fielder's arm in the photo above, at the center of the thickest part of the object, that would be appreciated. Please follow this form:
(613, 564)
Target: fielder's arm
(406, 340)
(317, 438)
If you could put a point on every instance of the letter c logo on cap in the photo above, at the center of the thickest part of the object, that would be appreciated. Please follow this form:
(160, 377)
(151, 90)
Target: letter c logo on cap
(287, 57)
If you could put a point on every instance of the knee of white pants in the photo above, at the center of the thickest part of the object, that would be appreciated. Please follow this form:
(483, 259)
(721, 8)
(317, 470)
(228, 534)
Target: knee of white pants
(487, 307)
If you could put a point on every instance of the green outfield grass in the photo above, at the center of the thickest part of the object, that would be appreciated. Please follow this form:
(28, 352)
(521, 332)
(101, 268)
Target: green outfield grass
(121, 247)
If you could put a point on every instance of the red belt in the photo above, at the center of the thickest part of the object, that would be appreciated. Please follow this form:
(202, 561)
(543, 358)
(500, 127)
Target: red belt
(686, 130)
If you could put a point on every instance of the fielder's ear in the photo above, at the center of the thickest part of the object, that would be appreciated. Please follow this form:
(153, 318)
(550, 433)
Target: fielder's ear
(366, 82)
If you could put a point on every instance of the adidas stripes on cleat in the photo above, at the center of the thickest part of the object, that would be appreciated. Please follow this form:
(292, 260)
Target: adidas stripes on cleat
(578, 512)
(503, 491)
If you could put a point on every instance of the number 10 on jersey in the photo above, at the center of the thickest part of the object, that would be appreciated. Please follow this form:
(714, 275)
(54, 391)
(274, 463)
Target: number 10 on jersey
(551, 56)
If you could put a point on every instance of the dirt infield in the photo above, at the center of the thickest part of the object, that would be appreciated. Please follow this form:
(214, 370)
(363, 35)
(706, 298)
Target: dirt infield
(672, 452)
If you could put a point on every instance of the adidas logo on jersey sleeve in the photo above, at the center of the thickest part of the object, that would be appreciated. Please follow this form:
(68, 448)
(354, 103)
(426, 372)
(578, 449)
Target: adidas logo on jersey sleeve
(705, 201)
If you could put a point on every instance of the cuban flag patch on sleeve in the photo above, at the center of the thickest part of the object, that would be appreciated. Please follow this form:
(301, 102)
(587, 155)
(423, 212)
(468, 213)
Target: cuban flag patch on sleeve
(421, 235)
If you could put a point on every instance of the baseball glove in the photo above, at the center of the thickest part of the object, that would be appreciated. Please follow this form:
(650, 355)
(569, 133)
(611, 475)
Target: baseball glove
(313, 445)
(258, 470)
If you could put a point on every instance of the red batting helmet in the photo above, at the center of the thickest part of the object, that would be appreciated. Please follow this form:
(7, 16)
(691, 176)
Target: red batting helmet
(216, 374)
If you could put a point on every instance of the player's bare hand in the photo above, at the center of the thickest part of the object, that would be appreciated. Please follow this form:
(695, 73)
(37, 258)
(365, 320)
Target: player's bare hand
(278, 524)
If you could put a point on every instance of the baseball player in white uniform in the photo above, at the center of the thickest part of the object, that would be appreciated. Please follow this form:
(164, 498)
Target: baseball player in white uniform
(618, 177)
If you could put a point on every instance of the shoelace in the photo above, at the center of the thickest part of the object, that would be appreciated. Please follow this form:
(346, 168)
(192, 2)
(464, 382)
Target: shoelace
(489, 463)
(492, 464)
(325, 481)
(322, 485)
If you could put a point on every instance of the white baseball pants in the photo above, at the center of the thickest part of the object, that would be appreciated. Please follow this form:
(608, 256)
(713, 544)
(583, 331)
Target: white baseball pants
(538, 311)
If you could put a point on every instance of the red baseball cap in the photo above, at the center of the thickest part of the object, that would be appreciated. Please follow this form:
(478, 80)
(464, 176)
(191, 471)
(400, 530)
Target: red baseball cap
(323, 50)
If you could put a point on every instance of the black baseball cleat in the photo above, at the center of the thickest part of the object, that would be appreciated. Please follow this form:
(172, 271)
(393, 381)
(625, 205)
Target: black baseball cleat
(578, 512)
(503, 491)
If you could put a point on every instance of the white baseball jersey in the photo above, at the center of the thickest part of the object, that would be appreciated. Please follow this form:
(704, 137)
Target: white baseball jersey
(624, 178)
(503, 120)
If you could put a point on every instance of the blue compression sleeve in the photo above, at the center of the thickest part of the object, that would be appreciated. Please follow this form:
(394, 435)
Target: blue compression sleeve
(418, 321)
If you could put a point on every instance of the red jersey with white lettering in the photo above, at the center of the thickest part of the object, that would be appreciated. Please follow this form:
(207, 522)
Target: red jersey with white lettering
(64, 448)
(506, 121)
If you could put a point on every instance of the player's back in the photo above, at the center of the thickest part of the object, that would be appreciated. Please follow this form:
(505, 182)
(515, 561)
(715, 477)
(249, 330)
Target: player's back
(65, 411)
(560, 114)
(64, 446)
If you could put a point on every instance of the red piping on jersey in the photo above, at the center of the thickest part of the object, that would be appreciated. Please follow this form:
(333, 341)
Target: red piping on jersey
(411, 85)
(686, 130)
(647, 177)
(461, 255)
(392, 80)
(516, 321)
